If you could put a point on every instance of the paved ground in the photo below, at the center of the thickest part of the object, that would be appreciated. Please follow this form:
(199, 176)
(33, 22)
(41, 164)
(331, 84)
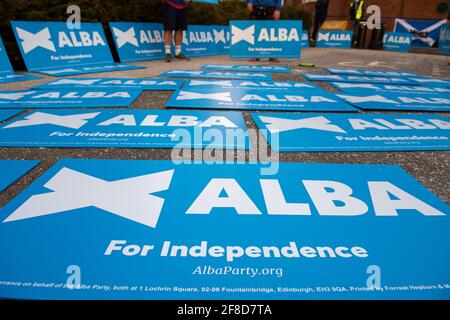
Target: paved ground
(431, 168)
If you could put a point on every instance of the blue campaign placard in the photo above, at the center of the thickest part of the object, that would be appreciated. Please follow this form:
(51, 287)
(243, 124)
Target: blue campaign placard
(67, 98)
(138, 41)
(222, 38)
(328, 132)
(200, 74)
(7, 74)
(248, 99)
(305, 39)
(398, 101)
(431, 82)
(146, 235)
(16, 77)
(6, 114)
(359, 79)
(396, 41)
(371, 73)
(52, 48)
(334, 39)
(12, 170)
(5, 64)
(127, 129)
(444, 39)
(247, 68)
(199, 41)
(266, 39)
(376, 87)
(252, 85)
(112, 83)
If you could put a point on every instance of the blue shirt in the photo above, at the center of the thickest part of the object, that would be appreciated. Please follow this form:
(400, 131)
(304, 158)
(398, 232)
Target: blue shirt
(266, 3)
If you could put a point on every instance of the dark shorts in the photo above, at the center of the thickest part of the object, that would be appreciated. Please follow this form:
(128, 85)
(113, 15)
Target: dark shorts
(262, 13)
(174, 19)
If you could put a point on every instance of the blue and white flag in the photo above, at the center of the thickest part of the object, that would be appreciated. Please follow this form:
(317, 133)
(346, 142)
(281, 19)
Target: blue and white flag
(126, 129)
(247, 68)
(138, 41)
(112, 83)
(266, 39)
(396, 41)
(53, 49)
(249, 99)
(398, 101)
(67, 98)
(251, 85)
(359, 79)
(200, 74)
(424, 32)
(328, 132)
(379, 87)
(371, 73)
(334, 39)
(160, 230)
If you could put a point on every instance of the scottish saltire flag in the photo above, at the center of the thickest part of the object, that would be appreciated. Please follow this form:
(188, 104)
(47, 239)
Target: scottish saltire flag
(424, 32)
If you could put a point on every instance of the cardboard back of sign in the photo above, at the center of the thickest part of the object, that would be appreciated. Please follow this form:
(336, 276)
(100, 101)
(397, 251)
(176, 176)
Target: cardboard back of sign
(300, 217)
(398, 101)
(127, 129)
(52, 48)
(12, 170)
(112, 83)
(249, 99)
(137, 41)
(67, 98)
(350, 132)
(270, 39)
(395, 41)
(334, 39)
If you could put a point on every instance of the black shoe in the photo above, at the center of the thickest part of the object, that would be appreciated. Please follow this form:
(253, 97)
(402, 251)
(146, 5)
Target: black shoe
(168, 57)
(181, 56)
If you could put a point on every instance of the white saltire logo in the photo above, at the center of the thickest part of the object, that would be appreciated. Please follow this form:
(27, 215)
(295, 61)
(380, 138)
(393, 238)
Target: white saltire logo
(323, 36)
(75, 121)
(276, 125)
(123, 38)
(129, 198)
(219, 36)
(219, 96)
(238, 35)
(74, 81)
(15, 95)
(225, 83)
(31, 41)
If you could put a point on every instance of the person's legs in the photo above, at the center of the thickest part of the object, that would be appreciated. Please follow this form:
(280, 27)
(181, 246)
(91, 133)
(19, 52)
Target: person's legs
(269, 16)
(181, 26)
(169, 20)
(254, 16)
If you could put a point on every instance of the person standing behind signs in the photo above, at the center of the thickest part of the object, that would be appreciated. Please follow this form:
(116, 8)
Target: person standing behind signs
(356, 14)
(321, 16)
(174, 19)
(264, 10)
